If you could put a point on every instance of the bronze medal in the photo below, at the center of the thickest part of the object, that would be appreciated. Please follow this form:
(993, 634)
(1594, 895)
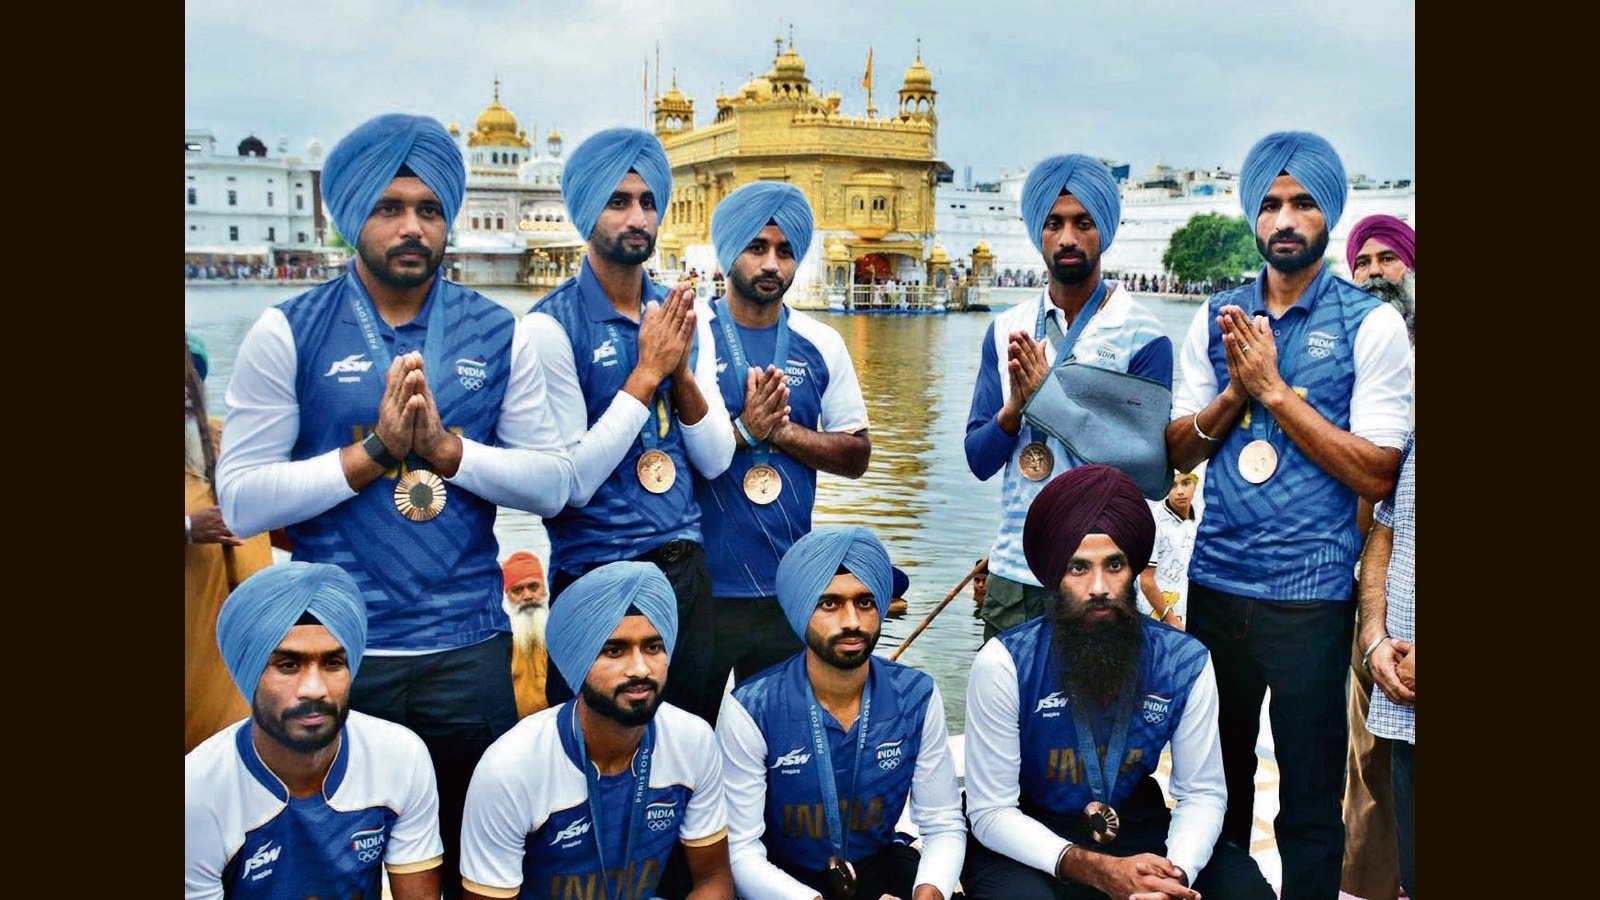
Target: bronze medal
(656, 471)
(841, 879)
(419, 495)
(1102, 821)
(1036, 461)
(1258, 461)
(762, 484)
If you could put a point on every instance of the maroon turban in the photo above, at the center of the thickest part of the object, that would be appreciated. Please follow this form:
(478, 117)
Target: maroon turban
(1390, 232)
(1086, 500)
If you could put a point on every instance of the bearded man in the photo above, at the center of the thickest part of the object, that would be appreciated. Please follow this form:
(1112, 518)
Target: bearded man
(1067, 716)
(527, 604)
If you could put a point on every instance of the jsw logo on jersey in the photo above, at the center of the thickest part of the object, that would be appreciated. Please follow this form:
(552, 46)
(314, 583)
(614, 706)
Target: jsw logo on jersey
(1056, 700)
(795, 757)
(576, 829)
(351, 363)
(265, 856)
(605, 351)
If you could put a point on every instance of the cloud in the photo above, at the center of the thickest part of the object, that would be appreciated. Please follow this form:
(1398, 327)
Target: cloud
(1143, 82)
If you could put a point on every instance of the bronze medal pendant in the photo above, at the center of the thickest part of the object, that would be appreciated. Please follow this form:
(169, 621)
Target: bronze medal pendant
(656, 471)
(1036, 461)
(1258, 461)
(1102, 821)
(841, 879)
(762, 484)
(419, 495)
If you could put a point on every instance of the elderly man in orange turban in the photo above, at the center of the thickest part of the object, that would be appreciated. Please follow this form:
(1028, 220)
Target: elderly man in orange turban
(527, 602)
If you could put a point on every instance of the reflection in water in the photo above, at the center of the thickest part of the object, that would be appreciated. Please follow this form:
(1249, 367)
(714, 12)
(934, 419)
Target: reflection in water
(916, 373)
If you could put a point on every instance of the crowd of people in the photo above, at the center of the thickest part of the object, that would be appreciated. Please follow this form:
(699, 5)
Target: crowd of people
(684, 699)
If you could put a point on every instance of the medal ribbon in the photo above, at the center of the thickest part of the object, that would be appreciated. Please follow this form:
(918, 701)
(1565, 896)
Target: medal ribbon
(650, 436)
(641, 783)
(367, 317)
(780, 358)
(1098, 783)
(1063, 343)
(819, 743)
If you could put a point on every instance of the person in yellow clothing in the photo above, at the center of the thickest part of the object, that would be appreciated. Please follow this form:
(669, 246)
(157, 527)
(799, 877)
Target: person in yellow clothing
(527, 602)
(215, 561)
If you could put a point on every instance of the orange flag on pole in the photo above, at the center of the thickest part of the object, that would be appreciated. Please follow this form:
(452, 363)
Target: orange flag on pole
(866, 80)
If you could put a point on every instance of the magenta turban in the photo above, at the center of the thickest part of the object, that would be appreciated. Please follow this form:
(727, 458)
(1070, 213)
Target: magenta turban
(1086, 500)
(1390, 232)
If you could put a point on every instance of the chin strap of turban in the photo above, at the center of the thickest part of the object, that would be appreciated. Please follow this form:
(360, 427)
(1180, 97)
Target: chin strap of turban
(592, 607)
(361, 166)
(594, 170)
(1308, 158)
(1086, 500)
(260, 612)
(804, 571)
(742, 214)
(1083, 177)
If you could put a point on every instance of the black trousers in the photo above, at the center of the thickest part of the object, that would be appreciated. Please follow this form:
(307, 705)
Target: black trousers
(684, 564)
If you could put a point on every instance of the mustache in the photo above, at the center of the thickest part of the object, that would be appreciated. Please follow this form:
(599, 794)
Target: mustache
(650, 683)
(311, 708)
(1287, 235)
(410, 247)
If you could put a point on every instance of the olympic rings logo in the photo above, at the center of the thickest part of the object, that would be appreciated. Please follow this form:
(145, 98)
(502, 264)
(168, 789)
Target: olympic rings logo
(369, 855)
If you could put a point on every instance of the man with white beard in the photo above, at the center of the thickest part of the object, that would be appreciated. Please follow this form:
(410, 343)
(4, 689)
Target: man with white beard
(527, 603)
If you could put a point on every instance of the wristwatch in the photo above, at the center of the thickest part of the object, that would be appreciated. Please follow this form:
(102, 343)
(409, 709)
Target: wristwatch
(379, 453)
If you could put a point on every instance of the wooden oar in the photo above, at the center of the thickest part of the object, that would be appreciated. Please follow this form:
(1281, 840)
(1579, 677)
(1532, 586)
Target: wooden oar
(938, 609)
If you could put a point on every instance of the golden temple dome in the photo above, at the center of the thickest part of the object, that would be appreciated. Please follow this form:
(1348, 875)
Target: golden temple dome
(918, 77)
(789, 64)
(497, 126)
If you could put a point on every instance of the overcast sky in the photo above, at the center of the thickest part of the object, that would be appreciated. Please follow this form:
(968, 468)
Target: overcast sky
(1186, 83)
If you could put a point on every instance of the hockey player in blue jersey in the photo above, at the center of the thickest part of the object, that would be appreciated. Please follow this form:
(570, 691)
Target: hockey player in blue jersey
(589, 797)
(823, 752)
(1067, 717)
(306, 798)
(383, 418)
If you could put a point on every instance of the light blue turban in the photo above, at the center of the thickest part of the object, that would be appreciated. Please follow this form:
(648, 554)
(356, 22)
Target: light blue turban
(1311, 160)
(1084, 177)
(600, 163)
(742, 214)
(260, 612)
(592, 607)
(362, 164)
(804, 571)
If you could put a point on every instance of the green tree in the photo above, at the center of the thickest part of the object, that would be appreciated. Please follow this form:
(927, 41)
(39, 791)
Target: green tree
(1212, 247)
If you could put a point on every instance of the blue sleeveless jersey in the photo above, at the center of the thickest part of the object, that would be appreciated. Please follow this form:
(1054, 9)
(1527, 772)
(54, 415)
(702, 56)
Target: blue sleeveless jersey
(622, 520)
(1294, 536)
(745, 540)
(1052, 777)
(431, 585)
(796, 833)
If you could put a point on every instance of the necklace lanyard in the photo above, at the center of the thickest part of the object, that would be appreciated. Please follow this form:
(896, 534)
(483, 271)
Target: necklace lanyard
(641, 784)
(1099, 783)
(650, 436)
(432, 344)
(780, 358)
(819, 743)
(1063, 343)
